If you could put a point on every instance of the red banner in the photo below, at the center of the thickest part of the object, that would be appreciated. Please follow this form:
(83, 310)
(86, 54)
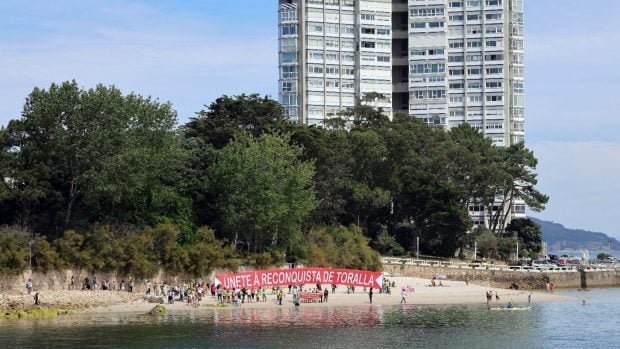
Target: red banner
(296, 276)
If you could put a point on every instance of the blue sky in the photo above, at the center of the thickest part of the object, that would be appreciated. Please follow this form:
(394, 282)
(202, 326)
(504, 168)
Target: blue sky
(193, 51)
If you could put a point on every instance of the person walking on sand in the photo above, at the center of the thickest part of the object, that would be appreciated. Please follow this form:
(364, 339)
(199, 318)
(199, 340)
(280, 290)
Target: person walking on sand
(496, 296)
(370, 295)
(403, 296)
(29, 286)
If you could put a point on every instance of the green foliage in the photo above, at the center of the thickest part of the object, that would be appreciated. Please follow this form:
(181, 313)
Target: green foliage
(228, 116)
(263, 191)
(603, 256)
(386, 244)
(44, 256)
(110, 184)
(14, 251)
(487, 244)
(528, 233)
(78, 156)
(340, 247)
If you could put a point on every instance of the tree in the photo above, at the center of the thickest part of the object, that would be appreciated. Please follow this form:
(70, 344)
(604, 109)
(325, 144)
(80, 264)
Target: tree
(262, 191)
(340, 247)
(527, 232)
(603, 256)
(426, 186)
(81, 156)
(517, 165)
(228, 116)
(487, 244)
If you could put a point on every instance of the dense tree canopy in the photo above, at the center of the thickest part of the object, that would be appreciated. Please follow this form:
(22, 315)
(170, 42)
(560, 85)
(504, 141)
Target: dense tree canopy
(101, 180)
(263, 191)
(81, 156)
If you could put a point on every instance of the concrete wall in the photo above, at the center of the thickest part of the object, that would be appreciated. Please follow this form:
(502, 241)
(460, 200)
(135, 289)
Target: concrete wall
(60, 280)
(506, 279)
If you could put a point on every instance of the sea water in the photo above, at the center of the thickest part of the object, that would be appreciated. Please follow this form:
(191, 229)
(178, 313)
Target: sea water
(569, 324)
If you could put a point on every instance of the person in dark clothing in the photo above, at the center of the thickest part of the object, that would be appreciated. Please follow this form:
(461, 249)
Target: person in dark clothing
(370, 295)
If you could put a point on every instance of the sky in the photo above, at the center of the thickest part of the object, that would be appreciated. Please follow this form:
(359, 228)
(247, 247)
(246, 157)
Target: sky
(193, 51)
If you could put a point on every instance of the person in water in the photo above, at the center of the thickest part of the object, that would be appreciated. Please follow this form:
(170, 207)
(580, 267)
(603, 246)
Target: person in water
(509, 306)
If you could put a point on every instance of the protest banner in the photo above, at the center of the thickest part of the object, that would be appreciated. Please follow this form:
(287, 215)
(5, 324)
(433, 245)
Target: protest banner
(296, 276)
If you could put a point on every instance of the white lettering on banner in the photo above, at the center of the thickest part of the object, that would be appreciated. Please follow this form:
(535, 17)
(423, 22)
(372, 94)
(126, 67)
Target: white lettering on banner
(282, 277)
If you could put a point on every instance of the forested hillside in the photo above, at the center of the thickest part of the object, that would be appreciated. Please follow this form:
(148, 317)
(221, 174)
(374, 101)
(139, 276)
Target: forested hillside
(560, 238)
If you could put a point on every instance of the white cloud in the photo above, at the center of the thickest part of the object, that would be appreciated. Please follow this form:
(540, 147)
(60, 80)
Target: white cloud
(189, 59)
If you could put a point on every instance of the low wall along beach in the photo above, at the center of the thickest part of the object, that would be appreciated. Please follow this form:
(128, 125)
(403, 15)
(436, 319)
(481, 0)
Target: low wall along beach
(496, 276)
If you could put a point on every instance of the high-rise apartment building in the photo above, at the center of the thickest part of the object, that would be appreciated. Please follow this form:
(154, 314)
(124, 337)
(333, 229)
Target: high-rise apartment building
(446, 62)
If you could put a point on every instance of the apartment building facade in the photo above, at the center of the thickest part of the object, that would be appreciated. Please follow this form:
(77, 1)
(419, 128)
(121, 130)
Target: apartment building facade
(446, 62)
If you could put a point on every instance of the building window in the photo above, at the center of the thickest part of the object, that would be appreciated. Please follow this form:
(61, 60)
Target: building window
(494, 57)
(288, 29)
(315, 28)
(493, 29)
(289, 86)
(498, 70)
(427, 68)
(494, 84)
(288, 16)
(474, 84)
(288, 57)
(474, 58)
(369, 31)
(288, 71)
(494, 98)
(455, 58)
(456, 44)
(475, 98)
(493, 16)
(493, 43)
(368, 44)
(367, 17)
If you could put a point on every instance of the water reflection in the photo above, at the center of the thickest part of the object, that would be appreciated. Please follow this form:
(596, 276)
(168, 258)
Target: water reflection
(548, 325)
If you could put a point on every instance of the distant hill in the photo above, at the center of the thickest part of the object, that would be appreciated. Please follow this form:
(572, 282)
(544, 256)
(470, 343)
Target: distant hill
(559, 238)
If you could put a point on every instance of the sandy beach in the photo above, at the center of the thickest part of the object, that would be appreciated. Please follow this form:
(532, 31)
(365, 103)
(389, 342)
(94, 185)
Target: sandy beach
(452, 292)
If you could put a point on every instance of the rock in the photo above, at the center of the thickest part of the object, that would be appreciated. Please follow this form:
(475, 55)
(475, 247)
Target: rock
(158, 310)
(153, 299)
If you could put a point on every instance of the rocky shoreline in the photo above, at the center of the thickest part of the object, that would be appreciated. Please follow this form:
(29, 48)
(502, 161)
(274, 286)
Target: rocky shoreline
(67, 300)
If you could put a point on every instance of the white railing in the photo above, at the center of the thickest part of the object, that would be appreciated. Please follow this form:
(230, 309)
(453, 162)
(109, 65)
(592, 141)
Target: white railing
(479, 266)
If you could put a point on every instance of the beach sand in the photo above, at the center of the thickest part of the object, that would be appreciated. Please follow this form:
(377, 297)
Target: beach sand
(452, 292)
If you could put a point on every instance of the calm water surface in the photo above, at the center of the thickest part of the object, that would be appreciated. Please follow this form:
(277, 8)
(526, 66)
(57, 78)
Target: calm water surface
(547, 325)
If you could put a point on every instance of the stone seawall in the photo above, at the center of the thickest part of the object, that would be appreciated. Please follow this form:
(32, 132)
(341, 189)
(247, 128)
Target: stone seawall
(531, 279)
(61, 280)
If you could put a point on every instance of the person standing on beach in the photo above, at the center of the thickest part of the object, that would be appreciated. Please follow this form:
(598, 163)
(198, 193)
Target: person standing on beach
(72, 284)
(29, 286)
(529, 299)
(370, 295)
(325, 294)
(403, 296)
